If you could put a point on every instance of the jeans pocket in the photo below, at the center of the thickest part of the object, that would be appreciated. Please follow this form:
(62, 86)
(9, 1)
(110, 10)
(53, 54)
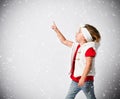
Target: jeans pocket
(88, 90)
(88, 85)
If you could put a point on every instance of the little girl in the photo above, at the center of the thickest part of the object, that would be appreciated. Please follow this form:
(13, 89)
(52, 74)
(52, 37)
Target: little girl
(82, 62)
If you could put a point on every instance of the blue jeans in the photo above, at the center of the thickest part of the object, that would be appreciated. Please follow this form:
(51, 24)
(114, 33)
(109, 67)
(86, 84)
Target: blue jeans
(87, 88)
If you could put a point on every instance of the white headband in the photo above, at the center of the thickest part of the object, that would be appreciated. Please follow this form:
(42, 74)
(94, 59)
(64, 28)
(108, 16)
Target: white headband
(86, 34)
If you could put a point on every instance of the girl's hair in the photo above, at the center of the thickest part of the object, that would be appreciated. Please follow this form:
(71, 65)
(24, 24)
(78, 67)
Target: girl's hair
(94, 32)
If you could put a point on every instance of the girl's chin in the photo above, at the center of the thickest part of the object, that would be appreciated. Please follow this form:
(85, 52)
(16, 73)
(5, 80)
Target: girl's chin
(77, 41)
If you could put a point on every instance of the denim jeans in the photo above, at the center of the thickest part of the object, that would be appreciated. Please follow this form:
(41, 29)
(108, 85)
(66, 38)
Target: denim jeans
(87, 88)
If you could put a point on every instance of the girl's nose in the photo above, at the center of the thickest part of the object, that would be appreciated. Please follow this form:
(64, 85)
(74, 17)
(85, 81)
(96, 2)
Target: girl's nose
(76, 34)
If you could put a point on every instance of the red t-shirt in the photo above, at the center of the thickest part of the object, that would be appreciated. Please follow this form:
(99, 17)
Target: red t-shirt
(89, 53)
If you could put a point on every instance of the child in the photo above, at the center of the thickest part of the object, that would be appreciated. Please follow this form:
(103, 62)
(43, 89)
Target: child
(82, 64)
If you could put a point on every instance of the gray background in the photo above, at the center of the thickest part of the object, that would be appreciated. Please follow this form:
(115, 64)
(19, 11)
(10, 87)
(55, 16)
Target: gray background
(35, 65)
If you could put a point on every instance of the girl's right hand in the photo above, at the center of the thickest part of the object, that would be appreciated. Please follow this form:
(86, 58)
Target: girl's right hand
(54, 27)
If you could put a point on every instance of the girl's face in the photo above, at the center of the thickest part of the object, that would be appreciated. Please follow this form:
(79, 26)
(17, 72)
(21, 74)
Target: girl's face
(79, 36)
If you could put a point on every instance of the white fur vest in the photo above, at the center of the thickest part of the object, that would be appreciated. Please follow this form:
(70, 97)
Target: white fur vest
(80, 61)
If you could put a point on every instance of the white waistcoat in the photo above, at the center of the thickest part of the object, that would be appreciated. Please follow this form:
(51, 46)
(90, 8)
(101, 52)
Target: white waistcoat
(80, 61)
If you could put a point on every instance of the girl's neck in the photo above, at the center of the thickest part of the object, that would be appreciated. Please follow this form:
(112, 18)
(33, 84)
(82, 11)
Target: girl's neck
(83, 42)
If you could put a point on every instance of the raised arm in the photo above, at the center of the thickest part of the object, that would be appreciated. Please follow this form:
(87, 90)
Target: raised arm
(61, 37)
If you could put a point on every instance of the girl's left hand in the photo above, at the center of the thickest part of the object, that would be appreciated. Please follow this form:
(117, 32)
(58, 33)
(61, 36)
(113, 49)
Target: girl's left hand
(81, 82)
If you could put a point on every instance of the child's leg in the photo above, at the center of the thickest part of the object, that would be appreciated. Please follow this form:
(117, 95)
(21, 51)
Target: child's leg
(74, 89)
(88, 90)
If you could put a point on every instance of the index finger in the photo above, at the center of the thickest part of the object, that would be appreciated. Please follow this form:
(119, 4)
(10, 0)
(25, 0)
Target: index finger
(54, 23)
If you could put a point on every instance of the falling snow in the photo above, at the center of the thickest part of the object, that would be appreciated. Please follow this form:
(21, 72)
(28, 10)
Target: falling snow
(34, 64)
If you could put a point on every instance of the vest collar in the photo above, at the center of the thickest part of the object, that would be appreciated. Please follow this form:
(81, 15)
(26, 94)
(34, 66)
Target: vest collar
(92, 44)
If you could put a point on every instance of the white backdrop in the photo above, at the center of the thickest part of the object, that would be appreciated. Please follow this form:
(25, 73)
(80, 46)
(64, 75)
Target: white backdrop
(35, 65)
